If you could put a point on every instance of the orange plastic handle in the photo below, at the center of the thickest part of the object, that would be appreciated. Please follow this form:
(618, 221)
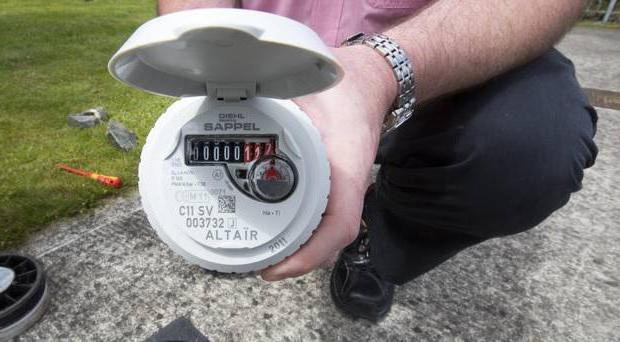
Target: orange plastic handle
(110, 181)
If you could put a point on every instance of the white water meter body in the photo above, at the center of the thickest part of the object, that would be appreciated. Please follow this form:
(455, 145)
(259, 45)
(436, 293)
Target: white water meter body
(233, 176)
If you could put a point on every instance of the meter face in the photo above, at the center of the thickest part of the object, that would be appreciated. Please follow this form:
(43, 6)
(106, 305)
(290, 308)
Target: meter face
(232, 178)
(233, 187)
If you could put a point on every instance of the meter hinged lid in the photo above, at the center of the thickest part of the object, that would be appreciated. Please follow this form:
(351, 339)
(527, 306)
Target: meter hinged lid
(227, 53)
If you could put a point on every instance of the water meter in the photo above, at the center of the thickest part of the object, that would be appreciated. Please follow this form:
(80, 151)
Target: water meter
(233, 176)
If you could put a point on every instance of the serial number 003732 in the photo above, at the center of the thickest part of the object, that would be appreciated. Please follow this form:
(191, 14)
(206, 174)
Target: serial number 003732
(204, 222)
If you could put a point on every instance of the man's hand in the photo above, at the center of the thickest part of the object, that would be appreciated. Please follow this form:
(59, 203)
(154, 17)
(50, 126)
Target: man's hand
(349, 118)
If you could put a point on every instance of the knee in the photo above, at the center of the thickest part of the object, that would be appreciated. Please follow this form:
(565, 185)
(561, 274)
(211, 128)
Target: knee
(519, 177)
(513, 151)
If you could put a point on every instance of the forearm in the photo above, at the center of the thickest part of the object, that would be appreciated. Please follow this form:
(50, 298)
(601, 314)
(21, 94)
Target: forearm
(455, 44)
(169, 6)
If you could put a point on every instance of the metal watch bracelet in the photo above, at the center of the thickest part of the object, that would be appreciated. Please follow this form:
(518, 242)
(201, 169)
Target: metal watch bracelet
(403, 106)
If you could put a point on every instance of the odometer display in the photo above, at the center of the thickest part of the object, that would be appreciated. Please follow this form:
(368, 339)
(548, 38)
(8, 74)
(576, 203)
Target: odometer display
(200, 149)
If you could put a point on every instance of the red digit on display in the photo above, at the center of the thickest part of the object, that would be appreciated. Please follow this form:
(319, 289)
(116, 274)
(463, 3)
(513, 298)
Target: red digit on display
(258, 150)
(248, 152)
(270, 148)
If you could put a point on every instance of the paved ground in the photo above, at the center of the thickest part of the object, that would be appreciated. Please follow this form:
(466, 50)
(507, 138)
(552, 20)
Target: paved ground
(597, 56)
(112, 279)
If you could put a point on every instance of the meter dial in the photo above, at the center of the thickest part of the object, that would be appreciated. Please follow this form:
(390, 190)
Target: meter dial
(272, 178)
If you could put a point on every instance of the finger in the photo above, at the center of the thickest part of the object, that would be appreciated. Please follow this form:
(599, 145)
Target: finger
(337, 228)
(328, 238)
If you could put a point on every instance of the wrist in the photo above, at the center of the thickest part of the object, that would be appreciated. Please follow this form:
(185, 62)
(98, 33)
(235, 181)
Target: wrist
(373, 77)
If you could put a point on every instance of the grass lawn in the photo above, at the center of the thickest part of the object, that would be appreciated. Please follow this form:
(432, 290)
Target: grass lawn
(53, 61)
(599, 24)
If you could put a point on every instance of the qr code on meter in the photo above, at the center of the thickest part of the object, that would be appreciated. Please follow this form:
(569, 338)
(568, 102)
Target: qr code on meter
(226, 204)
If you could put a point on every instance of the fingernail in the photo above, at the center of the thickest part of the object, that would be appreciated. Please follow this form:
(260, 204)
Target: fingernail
(269, 276)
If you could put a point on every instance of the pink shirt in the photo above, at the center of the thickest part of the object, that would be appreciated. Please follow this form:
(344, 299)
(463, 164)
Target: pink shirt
(335, 20)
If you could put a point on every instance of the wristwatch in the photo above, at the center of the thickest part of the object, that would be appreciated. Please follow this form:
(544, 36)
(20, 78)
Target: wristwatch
(403, 106)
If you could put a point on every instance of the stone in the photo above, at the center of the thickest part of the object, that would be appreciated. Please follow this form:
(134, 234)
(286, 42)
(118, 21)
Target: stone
(88, 118)
(120, 136)
(99, 112)
(82, 121)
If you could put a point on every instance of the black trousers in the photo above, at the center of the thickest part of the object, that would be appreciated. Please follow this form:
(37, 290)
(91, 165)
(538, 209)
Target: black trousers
(491, 161)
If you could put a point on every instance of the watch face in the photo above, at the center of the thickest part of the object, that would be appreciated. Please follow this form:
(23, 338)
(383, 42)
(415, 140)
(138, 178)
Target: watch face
(400, 120)
(404, 116)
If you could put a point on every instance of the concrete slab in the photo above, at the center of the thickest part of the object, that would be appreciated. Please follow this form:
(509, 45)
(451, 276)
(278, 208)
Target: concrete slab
(596, 52)
(112, 279)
